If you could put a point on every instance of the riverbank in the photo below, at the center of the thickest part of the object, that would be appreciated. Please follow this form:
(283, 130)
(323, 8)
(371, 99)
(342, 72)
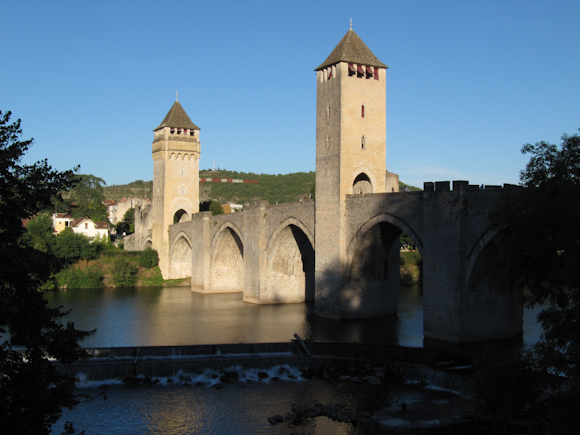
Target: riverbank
(110, 271)
(105, 271)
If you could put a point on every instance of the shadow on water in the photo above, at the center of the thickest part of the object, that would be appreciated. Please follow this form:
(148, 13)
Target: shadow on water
(161, 316)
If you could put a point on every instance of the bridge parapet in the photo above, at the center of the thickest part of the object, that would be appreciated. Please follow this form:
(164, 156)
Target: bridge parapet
(462, 186)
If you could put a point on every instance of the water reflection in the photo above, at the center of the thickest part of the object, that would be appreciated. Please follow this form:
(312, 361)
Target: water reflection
(159, 316)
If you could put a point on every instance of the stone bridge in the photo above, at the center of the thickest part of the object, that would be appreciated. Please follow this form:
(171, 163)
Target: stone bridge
(343, 250)
(268, 253)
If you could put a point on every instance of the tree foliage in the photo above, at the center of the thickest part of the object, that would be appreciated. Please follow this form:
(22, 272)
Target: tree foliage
(129, 215)
(149, 258)
(124, 272)
(70, 247)
(32, 391)
(504, 385)
(86, 198)
(38, 233)
(539, 243)
(213, 206)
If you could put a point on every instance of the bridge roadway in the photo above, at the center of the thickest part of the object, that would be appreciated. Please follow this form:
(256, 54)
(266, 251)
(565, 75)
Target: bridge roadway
(268, 253)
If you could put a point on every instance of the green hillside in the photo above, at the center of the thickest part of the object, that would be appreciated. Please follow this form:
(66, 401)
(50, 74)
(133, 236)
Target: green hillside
(272, 188)
(136, 189)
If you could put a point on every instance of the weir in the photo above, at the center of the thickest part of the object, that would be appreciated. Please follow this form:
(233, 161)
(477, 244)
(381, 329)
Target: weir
(436, 368)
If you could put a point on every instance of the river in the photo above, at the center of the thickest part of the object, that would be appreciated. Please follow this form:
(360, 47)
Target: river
(177, 316)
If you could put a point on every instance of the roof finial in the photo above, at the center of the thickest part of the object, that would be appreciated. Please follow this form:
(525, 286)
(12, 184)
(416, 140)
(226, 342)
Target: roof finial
(176, 95)
(351, 23)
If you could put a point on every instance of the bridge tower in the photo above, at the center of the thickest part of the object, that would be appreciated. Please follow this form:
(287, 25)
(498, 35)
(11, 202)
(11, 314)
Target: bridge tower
(350, 155)
(175, 152)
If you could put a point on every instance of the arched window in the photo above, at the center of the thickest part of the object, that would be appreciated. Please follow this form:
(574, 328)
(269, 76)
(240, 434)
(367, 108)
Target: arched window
(362, 184)
(180, 216)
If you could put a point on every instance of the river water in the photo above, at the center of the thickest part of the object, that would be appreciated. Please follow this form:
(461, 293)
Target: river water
(177, 316)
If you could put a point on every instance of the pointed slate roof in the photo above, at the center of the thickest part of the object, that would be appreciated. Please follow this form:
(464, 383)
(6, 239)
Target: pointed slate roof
(352, 49)
(177, 118)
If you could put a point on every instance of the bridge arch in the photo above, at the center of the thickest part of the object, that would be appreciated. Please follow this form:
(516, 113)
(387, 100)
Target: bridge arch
(479, 247)
(227, 259)
(491, 300)
(284, 224)
(373, 276)
(375, 220)
(180, 257)
(148, 243)
(290, 264)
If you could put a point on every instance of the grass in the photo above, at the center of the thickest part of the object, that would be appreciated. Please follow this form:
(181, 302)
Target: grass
(411, 269)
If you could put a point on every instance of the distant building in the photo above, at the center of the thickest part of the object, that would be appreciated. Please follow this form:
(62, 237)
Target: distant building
(117, 209)
(232, 208)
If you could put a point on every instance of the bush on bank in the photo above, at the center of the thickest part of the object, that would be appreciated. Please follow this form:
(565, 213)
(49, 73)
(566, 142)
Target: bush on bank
(124, 272)
(74, 277)
(112, 269)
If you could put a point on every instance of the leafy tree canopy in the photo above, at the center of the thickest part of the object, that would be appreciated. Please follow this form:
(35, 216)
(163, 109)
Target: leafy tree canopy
(129, 215)
(70, 247)
(38, 233)
(86, 198)
(213, 206)
(539, 247)
(32, 391)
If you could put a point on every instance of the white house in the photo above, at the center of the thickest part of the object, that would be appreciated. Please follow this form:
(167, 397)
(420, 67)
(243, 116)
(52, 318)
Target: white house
(91, 229)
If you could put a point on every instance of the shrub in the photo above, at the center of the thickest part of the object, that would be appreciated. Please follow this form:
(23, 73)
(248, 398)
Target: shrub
(78, 278)
(402, 260)
(407, 279)
(149, 258)
(125, 272)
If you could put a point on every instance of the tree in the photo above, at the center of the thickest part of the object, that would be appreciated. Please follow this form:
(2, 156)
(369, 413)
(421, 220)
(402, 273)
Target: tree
(86, 198)
(539, 248)
(32, 391)
(129, 215)
(127, 224)
(124, 272)
(213, 206)
(38, 233)
(504, 385)
(70, 247)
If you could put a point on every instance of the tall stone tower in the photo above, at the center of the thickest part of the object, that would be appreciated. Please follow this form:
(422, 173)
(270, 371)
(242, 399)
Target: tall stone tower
(350, 154)
(176, 150)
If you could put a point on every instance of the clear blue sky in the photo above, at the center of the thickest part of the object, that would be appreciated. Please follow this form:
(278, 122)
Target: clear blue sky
(469, 81)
